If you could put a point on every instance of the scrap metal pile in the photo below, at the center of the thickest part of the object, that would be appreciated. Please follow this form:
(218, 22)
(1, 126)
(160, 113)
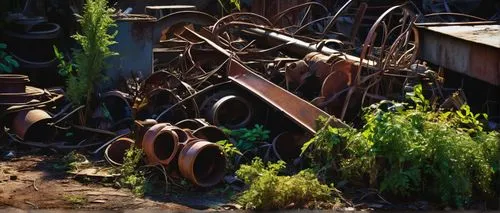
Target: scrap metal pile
(301, 64)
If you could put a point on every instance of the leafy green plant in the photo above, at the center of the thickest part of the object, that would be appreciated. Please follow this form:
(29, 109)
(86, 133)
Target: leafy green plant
(95, 40)
(268, 190)
(247, 139)
(64, 67)
(230, 151)
(131, 176)
(7, 63)
(414, 151)
(72, 162)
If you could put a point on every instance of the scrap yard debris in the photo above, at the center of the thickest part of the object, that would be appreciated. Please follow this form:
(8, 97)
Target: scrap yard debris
(195, 97)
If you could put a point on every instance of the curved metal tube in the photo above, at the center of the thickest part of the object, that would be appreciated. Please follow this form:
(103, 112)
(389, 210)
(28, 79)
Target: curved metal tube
(195, 17)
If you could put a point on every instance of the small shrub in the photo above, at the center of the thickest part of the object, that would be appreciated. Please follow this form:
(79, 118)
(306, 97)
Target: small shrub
(131, 176)
(7, 63)
(414, 150)
(270, 191)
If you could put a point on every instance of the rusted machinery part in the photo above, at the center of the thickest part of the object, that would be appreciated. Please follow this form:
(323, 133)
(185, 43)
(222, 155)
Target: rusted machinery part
(190, 98)
(141, 127)
(115, 152)
(34, 125)
(287, 145)
(294, 72)
(299, 110)
(297, 9)
(210, 133)
(203, 163)
(228, 109)
(225, 27)
(149, 137)
(245, 17)
(389, 53)
(183, 136)
(13, 83)
(193, 17)
(339, 77)
(165, 80)
(160, 144)
(300, 48)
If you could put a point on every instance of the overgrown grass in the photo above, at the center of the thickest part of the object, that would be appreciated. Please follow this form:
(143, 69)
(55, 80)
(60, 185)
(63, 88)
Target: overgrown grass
(268, 190)
(413, 150)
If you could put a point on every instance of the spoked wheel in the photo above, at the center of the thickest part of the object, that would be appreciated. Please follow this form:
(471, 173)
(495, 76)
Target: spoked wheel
(391, 44)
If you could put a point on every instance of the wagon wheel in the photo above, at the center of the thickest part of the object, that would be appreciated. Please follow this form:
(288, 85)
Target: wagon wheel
(295, 17)
(391, 45)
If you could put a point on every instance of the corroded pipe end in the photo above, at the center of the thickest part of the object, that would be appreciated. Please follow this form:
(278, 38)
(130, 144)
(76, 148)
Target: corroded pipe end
(203, 163)
(115, 152)
(33, 125)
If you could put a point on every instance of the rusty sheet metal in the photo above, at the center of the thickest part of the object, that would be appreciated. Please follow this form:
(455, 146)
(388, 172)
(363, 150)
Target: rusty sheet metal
(471, 50)
(299, 110)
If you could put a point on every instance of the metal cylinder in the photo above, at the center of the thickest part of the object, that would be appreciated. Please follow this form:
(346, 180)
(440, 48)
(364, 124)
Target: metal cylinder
(33, 125)
(203, 163)
(287, 145)
(116, 151)
(162, 147)
(230, 111)
(13, 83)
(148, 142)
(141, 127)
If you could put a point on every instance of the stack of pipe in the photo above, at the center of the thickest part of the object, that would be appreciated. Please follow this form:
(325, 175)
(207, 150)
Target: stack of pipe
(189, 146)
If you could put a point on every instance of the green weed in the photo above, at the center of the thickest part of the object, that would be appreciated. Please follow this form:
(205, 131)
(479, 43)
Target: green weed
(131, 176)
(268, 190)
(415, 150)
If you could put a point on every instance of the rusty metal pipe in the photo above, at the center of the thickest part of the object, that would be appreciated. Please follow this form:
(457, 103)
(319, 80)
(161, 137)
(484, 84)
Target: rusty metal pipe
(33, 125)
(230, 111)
(203, 163)
(116, 151)
(298, 47)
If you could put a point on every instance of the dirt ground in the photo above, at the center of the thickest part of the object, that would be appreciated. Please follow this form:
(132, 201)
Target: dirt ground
(30, 183)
